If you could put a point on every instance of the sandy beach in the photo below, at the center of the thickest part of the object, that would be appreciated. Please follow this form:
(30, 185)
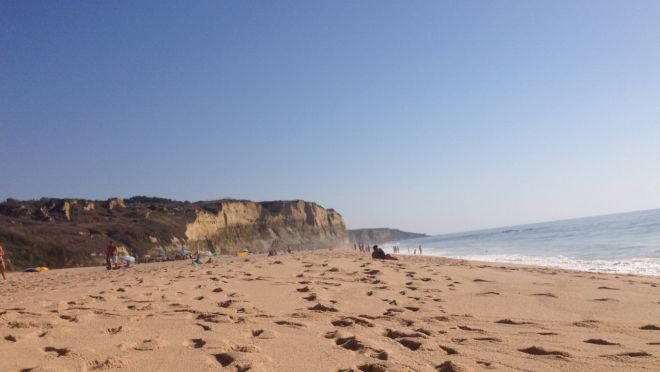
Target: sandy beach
(329, 311)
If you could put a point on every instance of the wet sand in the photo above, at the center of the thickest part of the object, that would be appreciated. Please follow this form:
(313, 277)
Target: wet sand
(329, 311)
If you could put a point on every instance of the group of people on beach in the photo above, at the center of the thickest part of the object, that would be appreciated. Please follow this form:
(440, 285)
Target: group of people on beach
(361, 247)
(376, 252)
(275, 252)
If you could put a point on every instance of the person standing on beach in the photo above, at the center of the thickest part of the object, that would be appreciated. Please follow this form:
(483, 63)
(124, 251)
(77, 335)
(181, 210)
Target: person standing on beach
(420, 249)
(2, 262)
(111, 256)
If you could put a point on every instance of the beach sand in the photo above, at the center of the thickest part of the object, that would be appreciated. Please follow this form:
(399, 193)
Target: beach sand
(329, 311)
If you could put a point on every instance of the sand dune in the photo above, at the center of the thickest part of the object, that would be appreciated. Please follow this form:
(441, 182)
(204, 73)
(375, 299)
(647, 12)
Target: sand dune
(329, 311)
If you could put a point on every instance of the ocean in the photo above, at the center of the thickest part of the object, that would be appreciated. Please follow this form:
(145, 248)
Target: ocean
(626, 243)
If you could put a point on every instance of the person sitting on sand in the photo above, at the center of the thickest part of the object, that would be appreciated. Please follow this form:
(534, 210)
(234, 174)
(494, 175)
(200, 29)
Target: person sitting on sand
(198, 259)
(111, 256)
(2, 262)
(379, 254)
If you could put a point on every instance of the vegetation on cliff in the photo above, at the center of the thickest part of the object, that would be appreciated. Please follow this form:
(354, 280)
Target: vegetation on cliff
(74, 232)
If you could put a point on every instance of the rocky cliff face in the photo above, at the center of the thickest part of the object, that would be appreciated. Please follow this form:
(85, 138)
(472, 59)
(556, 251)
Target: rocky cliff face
(62, 233)
(380, 235)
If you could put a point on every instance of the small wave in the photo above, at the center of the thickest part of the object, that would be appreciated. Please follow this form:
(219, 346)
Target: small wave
(518, 230)
(638, 266)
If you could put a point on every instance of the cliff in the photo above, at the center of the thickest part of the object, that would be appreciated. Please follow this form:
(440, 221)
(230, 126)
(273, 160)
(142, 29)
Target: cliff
(380, 235)
(67, 232)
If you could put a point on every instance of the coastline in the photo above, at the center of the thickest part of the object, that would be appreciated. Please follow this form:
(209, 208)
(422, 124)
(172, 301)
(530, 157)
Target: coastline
(330, 310)
(631, 266)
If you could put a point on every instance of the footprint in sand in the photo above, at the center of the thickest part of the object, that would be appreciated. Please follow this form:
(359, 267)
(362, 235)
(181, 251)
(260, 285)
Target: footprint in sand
(225, 304)
(586, 324)
(59, 352)
(599, 341)
(114, 331)
(288, 323)
(108, 363)
(204, 327)
(535, 350)
(353, 344)
(349, 343)
(246, 349)
(632, 354)
(424, 331)
(372, 367)
(322, 308)
(348, 321)
(467, 328)
(511, 322)
(147, 345)
(405, 339)
(227, 359)
(650, 327)
(485, 364)
(450, 366)
(69, 318)
(195, 343)
(449, 350)
(547, 294)
(263, 334)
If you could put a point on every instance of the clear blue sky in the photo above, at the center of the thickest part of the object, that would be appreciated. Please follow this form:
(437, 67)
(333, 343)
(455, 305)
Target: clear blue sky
(431, 116)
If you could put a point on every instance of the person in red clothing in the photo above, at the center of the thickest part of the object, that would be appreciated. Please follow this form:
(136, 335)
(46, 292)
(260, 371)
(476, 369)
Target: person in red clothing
(111, 256)
(2, 261)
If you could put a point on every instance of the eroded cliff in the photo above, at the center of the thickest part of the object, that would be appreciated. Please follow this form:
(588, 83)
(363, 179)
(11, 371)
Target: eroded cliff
(68, 232)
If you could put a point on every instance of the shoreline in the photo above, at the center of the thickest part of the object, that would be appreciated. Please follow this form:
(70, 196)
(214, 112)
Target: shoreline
(549, 266)
(335, 310)
(401, 254)
(625, 266)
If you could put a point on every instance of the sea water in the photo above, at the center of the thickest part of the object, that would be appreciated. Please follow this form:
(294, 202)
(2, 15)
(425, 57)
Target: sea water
(626, 243)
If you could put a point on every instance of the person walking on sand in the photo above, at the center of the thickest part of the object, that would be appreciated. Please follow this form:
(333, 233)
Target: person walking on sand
(111, 256)
(2, 261)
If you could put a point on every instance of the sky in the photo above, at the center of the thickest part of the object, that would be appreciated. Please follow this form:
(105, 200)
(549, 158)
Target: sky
(429, 116)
